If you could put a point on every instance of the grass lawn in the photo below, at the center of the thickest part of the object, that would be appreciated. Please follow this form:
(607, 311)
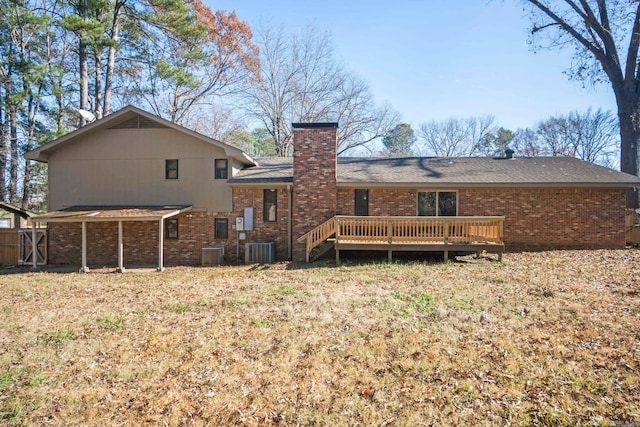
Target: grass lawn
(549, 338)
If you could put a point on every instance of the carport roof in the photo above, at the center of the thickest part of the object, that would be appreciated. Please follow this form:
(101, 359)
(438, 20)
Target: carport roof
(111, 213)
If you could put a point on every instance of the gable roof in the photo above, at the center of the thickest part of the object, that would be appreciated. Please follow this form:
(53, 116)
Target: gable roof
(123, 119)
(450, 172)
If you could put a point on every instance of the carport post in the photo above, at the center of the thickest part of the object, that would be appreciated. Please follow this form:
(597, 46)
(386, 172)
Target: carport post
(160, 244)
(120, 268)
(34, 245)
(84, 268)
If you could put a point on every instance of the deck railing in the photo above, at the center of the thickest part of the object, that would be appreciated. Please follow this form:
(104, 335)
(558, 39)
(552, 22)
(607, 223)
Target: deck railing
(398, 230)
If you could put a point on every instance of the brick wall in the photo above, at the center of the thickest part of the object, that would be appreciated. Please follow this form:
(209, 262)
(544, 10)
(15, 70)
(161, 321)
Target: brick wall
(552, 218)
(264, 231)
(314, 179)
(534, 218)
(140, 241)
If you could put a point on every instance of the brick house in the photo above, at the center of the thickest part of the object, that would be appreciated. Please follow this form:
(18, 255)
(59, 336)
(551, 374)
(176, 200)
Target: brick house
(134, 188)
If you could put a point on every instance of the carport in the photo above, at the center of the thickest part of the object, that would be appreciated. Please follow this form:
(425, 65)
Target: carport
(119, 214)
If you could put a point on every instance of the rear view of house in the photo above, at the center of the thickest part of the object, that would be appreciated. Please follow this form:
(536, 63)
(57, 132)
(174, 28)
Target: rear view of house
(135, 189)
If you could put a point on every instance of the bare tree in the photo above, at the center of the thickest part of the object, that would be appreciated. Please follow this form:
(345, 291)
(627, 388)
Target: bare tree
(590, 135)
(597, 136)
(455, 136)
(556, 136)
(214, 120)
(300, 81)
(525, 143)
(598, 31)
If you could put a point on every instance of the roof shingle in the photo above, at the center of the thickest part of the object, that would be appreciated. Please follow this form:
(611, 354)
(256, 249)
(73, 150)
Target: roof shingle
(450, 172)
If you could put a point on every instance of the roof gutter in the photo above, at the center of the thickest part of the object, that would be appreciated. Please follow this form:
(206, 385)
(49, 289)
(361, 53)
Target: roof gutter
(488, 185)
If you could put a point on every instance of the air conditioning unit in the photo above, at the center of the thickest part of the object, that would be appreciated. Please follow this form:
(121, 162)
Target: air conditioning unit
(259, 253)
(213, 255)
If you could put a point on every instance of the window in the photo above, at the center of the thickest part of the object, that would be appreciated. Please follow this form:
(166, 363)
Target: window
(222, 228)
(362, 203)
(171, 228)
(221, 169)
(437, 203)
(5, 223)
(171, 169)
(270, 205)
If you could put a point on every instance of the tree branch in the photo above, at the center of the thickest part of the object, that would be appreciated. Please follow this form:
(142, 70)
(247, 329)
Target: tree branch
(599, 54)
(632, 52)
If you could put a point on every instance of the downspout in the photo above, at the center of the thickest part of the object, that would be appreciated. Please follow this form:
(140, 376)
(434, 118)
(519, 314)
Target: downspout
(289, 222)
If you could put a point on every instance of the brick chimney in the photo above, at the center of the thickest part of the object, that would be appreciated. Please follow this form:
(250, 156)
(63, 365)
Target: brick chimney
(314, 178)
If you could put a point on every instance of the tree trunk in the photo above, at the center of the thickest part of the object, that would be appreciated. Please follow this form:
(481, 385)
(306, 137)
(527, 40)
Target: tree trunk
(629, 115)
(4, 138)
(111, 61)
(13, 161)
(33, 109)
(98, 85)
(84, 78)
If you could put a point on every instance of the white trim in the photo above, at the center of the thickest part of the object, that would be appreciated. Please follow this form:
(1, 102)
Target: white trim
(120, 268)
(84, 268)
(161, 245)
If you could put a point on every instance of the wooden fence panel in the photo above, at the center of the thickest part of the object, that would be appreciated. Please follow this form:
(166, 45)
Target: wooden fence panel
(9, 246)
(16, 246)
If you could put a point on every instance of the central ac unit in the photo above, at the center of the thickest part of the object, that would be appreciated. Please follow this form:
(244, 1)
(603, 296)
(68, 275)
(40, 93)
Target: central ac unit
(259, 253)
(213, 255)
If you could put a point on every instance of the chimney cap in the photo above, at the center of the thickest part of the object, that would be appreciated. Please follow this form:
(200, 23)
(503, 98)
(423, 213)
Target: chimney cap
(314, 125)
(508, 153)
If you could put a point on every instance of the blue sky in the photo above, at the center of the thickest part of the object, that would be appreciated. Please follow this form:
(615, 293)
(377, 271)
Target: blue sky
(434, 59)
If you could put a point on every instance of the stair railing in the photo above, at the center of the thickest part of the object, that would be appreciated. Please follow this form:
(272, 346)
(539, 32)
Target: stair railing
(318, 235)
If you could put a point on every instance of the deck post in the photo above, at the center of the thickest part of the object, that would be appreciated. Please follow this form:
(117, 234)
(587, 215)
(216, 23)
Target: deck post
(445, 241)
(84, 268)
(120, 268)
(389, 255)
(160, 244)
(34, 245)
(337, 257)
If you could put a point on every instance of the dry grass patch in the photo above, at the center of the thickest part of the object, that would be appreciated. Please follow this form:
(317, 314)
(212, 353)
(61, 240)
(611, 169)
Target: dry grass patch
(542, 339)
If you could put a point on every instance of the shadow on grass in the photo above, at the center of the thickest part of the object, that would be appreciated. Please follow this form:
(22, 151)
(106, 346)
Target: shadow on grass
(360, 258)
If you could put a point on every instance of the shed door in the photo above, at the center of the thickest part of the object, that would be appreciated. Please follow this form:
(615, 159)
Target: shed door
(362, 202)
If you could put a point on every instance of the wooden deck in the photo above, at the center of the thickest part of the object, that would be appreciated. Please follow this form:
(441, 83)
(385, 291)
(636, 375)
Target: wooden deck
(416, 234)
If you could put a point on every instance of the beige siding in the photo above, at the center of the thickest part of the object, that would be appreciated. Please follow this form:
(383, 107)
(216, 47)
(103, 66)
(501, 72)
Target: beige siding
(127, 167)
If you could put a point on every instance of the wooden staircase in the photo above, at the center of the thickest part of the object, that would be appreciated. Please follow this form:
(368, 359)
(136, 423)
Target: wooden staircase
(320, 250)
(319, 236)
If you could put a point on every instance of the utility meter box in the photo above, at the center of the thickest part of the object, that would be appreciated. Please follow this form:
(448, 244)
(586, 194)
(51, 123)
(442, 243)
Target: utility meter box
(239, 223)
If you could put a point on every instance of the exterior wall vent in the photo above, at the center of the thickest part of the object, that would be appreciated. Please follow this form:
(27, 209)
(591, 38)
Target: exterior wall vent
(139, 122)
(259, 253)
(213, 255)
